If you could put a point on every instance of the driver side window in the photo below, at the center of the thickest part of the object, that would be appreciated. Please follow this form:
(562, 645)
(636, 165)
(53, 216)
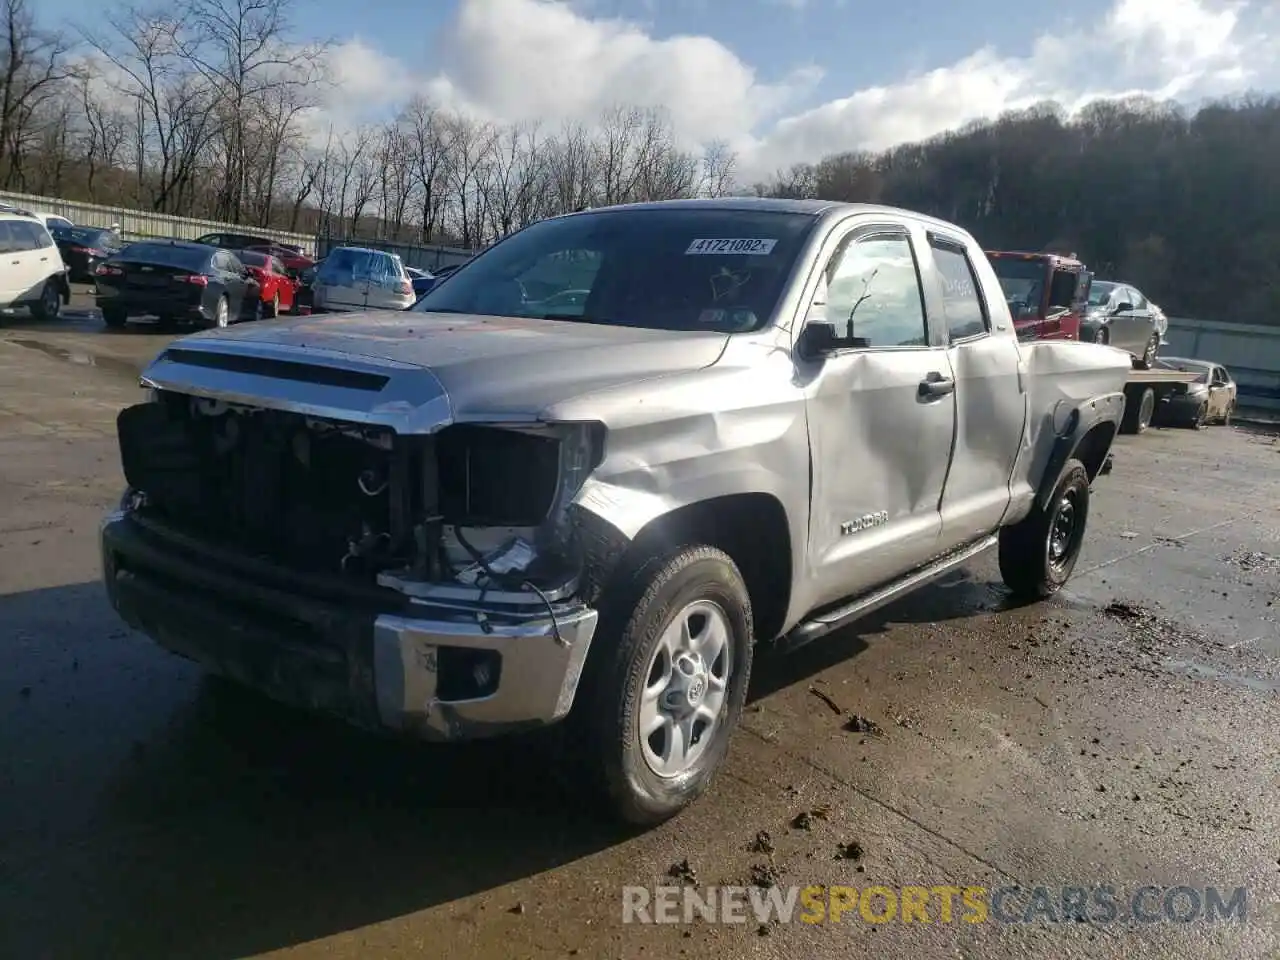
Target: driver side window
(873, 293)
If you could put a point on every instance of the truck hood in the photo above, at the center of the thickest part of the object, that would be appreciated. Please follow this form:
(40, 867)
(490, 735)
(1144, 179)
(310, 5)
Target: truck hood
(418, 371)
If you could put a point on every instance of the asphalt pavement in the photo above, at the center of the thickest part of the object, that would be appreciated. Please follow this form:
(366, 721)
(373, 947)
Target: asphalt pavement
(1122, 734)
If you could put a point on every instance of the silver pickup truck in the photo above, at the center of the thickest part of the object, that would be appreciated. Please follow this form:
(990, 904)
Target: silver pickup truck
(585, 474)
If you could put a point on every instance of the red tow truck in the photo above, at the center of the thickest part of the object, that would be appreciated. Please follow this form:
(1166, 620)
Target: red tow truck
(1047, 292)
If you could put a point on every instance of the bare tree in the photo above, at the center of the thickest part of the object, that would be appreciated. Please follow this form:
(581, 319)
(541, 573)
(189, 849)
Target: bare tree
(719, 163)
(239, 47)
(425, 129)
(174, 109)
(33, 65)
(470, 149)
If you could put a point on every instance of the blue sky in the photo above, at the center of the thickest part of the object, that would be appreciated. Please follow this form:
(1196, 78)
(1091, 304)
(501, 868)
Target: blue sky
(780, 80)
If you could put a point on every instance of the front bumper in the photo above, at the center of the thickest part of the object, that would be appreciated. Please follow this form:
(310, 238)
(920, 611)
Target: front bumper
(372, 657)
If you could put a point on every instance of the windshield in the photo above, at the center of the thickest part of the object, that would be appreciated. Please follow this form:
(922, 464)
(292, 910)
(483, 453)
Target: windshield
(188, 258)
(1185, 366)
(664, 269)
(1021, 280)
(88, 236)
(1100, 292)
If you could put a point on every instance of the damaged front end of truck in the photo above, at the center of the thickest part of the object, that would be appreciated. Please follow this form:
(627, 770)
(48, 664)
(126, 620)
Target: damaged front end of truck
(325, 530)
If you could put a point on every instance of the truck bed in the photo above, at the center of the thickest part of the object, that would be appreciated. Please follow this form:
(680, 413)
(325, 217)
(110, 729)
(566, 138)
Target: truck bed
(1163, 376)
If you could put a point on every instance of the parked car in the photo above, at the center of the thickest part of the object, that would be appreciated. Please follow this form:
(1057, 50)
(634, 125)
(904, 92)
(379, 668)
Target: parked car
(83, 248)
(50, 220)
(241, 241)
(294, 260)
(772, 418)
(1118, 314)
(32, 273)
(422, 280)
(276, 288)
(1210, 398)
(1045, 292)
(174, 280)
(357, 278)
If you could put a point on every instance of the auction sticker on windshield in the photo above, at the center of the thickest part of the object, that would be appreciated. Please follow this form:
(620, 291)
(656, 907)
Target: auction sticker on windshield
(756, 247)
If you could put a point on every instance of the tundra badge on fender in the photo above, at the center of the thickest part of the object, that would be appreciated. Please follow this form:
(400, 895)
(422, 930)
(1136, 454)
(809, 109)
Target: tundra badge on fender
(866, 522)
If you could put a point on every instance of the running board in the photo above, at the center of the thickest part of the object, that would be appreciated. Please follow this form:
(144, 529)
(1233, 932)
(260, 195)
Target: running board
(819, 626)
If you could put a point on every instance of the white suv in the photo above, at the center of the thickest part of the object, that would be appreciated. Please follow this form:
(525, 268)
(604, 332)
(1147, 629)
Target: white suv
(31, 269)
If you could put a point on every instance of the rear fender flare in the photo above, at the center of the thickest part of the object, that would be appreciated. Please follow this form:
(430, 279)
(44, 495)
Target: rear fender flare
(1080, 422)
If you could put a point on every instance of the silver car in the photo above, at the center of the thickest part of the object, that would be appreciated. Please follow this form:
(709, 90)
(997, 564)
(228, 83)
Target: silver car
(1118, 314)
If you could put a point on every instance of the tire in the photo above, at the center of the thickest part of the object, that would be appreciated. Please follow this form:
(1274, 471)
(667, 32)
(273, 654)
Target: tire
(50, 303)
(1231, 412)
(1198, 419)
(1137, 417)
(222, 313)
(1037, 554)
(1149, 354)
(272, 310)
(703, 586)
(114, 318)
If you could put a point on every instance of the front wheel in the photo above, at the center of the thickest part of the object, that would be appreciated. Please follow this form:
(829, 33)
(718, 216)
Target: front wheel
(667, 682)
(272, 309)
(1038, 553)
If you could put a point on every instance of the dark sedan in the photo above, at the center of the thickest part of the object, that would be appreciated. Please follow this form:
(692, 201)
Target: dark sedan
(176, 281)
(83, 248)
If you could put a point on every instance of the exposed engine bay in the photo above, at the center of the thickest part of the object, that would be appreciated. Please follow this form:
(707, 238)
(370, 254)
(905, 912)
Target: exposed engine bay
(475, 505)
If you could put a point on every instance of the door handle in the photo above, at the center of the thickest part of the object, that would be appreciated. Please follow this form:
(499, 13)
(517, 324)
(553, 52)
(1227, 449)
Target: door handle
(936, 385)
(14, 263)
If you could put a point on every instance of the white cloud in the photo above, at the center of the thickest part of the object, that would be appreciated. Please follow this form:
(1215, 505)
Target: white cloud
(555, 61)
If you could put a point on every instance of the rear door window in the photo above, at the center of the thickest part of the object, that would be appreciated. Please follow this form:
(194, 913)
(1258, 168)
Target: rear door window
(29, 236)
(962, 304)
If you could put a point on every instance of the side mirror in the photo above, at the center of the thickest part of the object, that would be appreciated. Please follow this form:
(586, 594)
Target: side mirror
(819, 338)
(1124, 307)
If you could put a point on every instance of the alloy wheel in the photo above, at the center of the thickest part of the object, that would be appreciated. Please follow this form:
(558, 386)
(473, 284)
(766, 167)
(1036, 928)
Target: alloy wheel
(686, 689)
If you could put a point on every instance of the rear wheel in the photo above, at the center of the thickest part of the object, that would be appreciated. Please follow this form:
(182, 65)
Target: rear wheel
(222, 313)
(1038, 554)
(273, 308)
(1137, 416)
(50, 302)
(114, 317)
(1149, 353)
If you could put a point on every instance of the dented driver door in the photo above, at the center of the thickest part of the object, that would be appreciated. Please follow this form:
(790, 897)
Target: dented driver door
(881, 413)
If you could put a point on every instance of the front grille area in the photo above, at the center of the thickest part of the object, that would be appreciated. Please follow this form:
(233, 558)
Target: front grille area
(322, 496)
(314, 496)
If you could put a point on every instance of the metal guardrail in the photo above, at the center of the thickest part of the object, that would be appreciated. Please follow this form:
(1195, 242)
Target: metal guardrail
(1249, 351)
(142, 224)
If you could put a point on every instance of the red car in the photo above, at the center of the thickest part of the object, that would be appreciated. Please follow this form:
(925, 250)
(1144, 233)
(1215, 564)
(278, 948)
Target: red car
(278, 288)
(295, 261)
